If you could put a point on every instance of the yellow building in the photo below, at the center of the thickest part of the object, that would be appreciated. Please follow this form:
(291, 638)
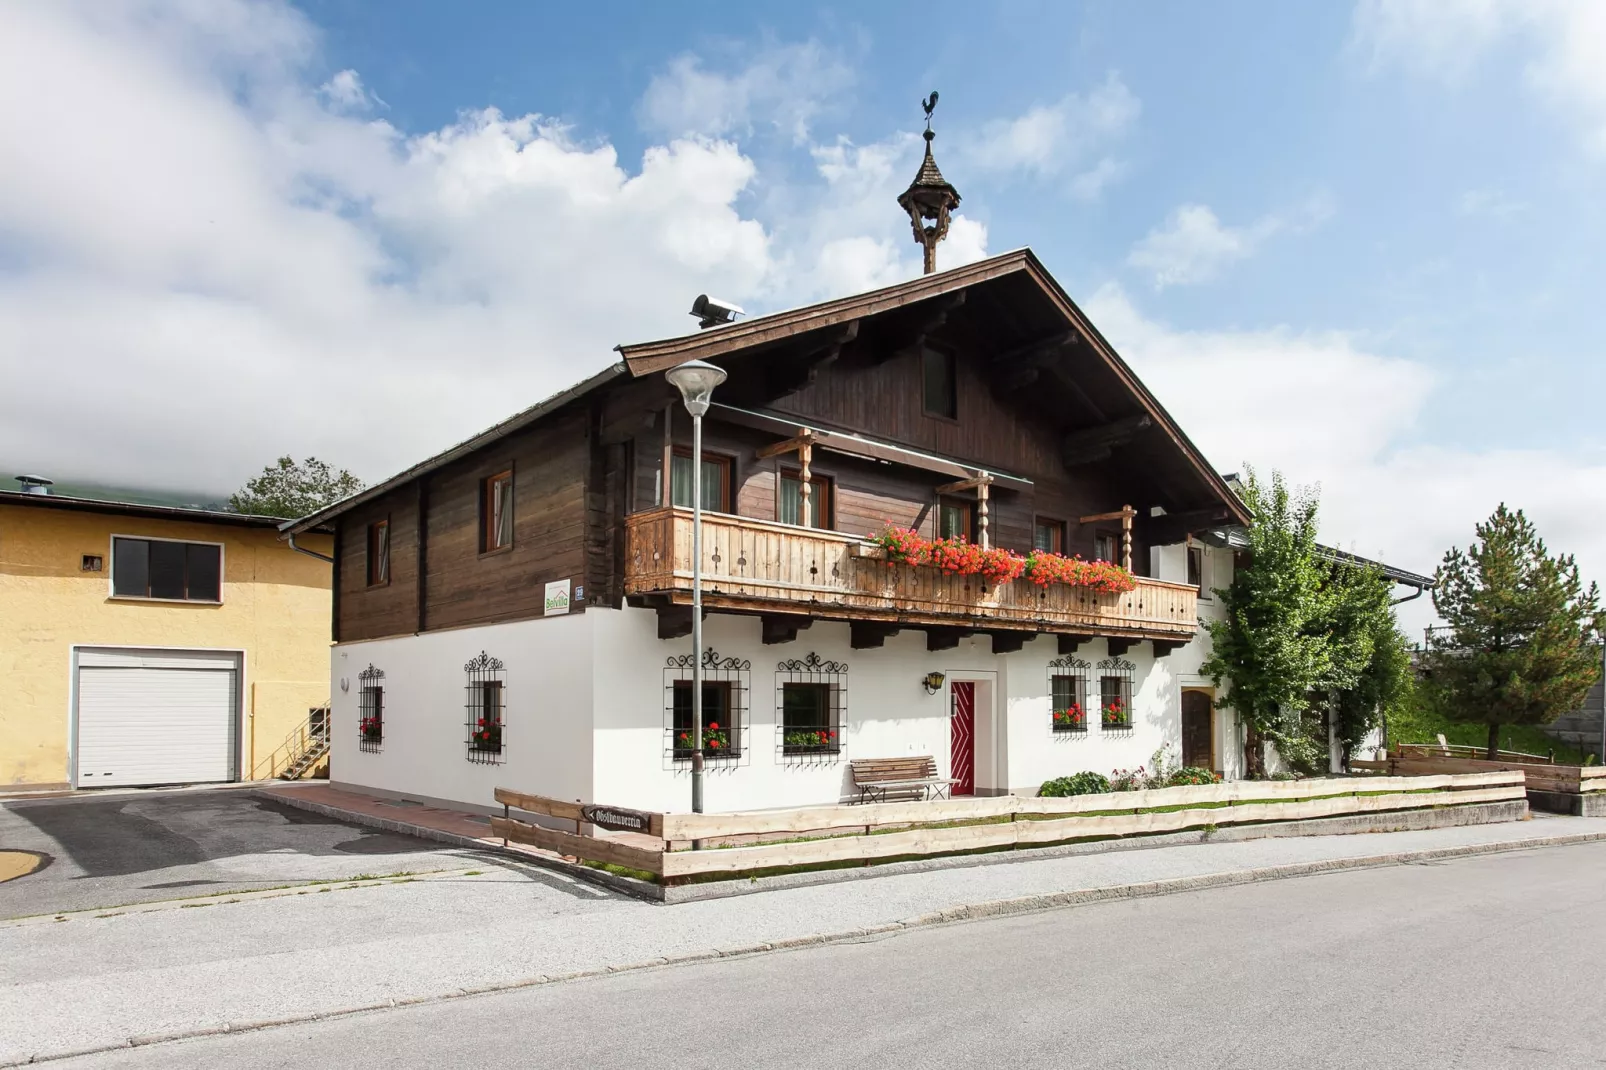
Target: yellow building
(152, 645)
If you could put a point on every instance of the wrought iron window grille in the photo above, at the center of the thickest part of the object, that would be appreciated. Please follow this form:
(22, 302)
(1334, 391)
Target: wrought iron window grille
(811, 701)
(485, 705)
(1067, 688)
(1115, 694)
(727, 682)
(371, 709)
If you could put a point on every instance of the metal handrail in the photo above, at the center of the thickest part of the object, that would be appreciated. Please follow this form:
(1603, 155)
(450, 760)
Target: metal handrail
(297, 745)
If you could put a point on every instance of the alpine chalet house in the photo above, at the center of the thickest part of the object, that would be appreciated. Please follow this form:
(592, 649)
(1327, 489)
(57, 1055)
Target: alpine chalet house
(517, 610)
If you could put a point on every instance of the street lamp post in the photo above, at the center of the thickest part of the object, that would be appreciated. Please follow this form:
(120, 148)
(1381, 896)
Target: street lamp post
(696, 380)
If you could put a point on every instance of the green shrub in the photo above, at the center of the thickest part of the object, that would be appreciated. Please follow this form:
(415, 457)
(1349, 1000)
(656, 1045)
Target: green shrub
(1191, 774)
(1079, 784)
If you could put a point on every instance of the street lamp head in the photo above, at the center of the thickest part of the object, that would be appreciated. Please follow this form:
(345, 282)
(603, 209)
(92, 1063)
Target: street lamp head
(696, 380)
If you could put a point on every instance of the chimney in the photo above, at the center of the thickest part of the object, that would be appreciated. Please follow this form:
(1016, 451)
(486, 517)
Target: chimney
(35, 484)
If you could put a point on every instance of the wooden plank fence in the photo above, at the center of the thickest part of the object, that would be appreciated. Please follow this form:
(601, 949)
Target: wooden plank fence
(1541, 776)
(682, 846)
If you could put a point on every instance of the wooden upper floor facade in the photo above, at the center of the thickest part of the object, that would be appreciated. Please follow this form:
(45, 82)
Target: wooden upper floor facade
(976, 402)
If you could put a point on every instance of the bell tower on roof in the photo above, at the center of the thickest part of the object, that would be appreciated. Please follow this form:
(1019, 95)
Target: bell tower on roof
(929, 199)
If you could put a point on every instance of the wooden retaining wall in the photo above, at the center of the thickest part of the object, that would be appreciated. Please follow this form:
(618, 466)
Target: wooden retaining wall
(679, 846)
(1539, 776)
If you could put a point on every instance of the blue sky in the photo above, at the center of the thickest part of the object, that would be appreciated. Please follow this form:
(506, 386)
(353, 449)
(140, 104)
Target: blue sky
(1358, 243)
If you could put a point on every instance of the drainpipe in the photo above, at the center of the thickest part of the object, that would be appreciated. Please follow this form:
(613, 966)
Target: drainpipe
(1420, 591)
(310, 553)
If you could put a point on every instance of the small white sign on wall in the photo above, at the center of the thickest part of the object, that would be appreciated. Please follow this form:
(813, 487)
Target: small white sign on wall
(557, 597)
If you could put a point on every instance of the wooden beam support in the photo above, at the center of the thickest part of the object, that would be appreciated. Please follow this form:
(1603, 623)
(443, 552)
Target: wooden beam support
(1175, 527)
(1096, 443)
(674, 621)
(945, 638)
(1124, 515)
(1163, 647)
(1121, 646)
(1009, 642)
(782, 628)
(1070, 643)
(804, 437)
(789, 377)
(975, 482)
(1037, 354)
(868, 634)
(942, 307)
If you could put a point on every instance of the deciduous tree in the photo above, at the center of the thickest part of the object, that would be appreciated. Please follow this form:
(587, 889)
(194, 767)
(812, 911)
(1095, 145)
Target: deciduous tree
(293, 490)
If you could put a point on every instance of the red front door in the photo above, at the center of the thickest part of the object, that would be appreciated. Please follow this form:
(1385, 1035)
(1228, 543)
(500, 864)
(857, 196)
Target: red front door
(963, 735)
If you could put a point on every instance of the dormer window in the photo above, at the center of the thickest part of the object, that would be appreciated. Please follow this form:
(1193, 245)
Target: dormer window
(941, 384)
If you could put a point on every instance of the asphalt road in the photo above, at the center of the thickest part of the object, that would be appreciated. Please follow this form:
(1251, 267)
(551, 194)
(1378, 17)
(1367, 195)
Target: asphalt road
(94, 851)
(1489, 962)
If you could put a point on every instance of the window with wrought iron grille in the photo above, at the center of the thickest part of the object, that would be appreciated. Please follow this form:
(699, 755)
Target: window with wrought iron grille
(1067, 688)
(726, 682)
(811, 696)
(484, 705)
(370, 709)
(1115, 693)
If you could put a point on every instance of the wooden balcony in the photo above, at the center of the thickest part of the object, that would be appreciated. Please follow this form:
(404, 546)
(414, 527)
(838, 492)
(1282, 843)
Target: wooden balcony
(760, 567)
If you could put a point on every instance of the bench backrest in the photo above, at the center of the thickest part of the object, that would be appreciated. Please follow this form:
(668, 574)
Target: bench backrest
(875, 770)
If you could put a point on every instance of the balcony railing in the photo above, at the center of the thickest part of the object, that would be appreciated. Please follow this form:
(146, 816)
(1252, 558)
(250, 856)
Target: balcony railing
(757, 565)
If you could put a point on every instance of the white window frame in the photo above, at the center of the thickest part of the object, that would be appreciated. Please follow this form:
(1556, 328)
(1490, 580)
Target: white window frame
(111, 571)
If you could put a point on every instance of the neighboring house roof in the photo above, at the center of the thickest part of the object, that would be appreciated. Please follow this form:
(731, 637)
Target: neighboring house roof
(149, 512)
(650, 357)
(1398, 575)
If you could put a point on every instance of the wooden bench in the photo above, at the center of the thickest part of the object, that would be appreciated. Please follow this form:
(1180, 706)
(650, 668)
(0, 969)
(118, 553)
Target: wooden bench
(913, 777)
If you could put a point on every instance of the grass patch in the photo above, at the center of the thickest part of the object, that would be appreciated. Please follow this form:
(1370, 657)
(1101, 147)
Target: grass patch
(622, 871)
(1420, 725)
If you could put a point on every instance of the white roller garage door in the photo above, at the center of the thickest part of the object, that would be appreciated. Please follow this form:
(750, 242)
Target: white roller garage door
(156, 717)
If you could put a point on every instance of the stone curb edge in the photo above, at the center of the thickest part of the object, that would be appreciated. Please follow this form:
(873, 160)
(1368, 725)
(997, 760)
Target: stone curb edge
(992, 909)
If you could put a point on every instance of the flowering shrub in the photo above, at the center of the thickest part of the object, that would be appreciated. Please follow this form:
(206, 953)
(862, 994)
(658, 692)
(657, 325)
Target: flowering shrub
(1132, 780)
(487, 735)
(716, 740)
(1071, 718)
(372, 729)
(1077, 784)
(1192, 774)
(813, 739)
(960, 557)
(1116, 714)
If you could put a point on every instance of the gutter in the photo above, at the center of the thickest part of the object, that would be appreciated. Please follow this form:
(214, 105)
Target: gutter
(303, 550)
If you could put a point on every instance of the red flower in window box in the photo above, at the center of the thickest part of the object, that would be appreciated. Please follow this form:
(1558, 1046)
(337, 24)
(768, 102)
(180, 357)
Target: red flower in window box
(1070, 717)
(960, 557)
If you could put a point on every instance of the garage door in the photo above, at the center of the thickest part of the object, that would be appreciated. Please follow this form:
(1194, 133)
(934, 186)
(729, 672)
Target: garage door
(156, 717)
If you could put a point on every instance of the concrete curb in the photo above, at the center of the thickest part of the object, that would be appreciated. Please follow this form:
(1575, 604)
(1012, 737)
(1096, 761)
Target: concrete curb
(971, 912)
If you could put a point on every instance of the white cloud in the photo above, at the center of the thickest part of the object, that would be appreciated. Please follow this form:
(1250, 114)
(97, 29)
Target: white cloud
(1447, 39)
(1194, 245)
(785, 86)
(1049, 140)
(214, 256)
(1326, 409)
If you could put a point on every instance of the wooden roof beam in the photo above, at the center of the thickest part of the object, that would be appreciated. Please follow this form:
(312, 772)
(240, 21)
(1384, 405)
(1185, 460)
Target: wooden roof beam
(928, 327)
(804, 437)
(1097, 443)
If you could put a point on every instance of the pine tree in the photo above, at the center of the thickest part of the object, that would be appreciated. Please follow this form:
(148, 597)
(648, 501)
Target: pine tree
(1521, 646)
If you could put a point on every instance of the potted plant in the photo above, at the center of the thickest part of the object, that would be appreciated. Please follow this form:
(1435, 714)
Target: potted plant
(1116, 714)
(813, 739)
(487, 735)
(1070, 719)
(716, 740)
(372, 729)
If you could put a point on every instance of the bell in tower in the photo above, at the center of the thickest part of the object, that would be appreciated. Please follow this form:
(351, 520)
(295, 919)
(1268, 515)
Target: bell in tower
(929, 198)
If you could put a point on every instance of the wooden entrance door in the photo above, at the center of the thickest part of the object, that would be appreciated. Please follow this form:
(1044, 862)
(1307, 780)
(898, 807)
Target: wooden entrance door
(963, 737)
(1198, 722)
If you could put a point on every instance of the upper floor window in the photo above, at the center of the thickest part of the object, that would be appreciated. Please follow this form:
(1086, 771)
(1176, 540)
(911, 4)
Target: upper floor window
(1196, 569)
(955, 519)
(378, 553)
(941, 384)
(790, 507)
(1048, 535)
(167, 569)
(496, 512)
(716, 481)
(1104, 546)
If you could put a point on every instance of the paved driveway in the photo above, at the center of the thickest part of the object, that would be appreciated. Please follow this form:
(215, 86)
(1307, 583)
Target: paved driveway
(94, 851)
